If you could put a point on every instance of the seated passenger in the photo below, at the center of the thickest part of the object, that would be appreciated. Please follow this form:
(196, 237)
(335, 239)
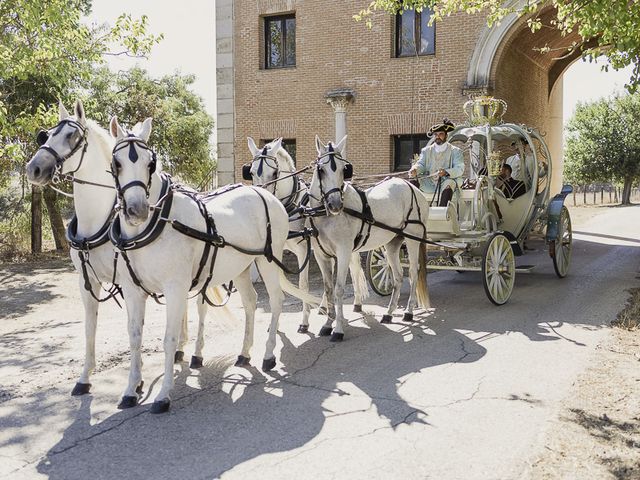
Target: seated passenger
(440, 166)
(510, 187)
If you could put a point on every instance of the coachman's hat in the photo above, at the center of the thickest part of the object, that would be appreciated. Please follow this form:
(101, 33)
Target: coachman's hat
(446, 126)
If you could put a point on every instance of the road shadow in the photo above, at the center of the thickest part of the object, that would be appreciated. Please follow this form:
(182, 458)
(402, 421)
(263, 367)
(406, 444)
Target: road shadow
(222, 417)
(21, 293)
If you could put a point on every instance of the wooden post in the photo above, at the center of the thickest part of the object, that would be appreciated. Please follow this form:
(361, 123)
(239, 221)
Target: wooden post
(574, 198)
(594, 197)
(601, 195)
(609, 194)
(584, 195)
(36, 219)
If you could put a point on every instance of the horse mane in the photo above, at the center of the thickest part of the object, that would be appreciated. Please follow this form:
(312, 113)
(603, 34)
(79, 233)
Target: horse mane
(105, 140)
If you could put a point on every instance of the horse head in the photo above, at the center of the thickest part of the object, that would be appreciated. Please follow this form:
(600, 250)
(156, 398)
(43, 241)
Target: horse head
(265, 167)
(133, 165)
(331, 171)
(62, 148)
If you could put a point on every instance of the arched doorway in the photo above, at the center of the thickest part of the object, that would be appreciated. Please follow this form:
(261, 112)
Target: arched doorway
(525, 68)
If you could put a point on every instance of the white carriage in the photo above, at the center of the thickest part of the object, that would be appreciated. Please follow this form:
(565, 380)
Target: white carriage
(483, 229)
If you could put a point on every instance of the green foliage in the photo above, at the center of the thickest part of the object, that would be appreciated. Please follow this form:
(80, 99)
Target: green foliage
(612, 24)
(603, 141)
(46, 52)
(181, 126)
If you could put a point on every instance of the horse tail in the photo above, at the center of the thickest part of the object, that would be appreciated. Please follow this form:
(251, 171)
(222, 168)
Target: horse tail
(219, 296)
(422, 292)
(360, 285)
(291, 289)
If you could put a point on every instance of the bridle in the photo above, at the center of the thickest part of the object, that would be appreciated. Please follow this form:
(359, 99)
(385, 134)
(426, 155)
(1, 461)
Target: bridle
(262, 157)
(42, 138)
(131, 141)
(347, 172)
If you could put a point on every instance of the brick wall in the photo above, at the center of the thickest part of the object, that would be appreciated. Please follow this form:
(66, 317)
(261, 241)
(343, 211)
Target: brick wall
(392, 95)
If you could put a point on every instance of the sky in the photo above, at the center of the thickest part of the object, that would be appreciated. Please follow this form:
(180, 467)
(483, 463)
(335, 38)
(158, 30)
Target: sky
(189, 47)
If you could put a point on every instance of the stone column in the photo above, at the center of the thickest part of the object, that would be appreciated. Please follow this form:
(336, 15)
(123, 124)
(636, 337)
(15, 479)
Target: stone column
(339, 100)
(555, 137)
(225, 121)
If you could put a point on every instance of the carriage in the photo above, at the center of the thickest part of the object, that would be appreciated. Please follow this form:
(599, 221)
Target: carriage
(483, 229)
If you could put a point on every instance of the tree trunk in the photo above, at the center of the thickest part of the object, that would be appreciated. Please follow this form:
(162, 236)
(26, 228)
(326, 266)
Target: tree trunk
(36, 219)
(55, 218)
(626, 191)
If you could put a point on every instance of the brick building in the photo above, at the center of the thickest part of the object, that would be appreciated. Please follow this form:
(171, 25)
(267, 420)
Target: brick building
(297, 68)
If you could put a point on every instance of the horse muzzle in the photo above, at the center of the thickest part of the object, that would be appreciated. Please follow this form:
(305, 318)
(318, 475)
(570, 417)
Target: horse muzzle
(136, 213)
(334, 203)
(41, 168)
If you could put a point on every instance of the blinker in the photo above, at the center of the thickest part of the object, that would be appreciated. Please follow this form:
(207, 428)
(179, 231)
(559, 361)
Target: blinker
(348, 171)
(42, 137)
(246, 172)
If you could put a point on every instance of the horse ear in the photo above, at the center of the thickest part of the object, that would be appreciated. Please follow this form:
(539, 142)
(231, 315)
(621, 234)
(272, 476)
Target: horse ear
(342, 145)
(319, 145)
(62, 111)
(145, 131)
(252, 147)
(79, 111)
(115, 128)
(276, 144)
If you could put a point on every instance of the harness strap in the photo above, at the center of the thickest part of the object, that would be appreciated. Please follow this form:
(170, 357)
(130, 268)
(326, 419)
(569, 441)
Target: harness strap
(112, 291)
(367, 218)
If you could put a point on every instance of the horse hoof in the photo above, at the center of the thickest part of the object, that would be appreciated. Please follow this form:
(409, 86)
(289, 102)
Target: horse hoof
(243, 361)
(325, 331)
(322, 311)
(268, 364)
(139, 388)
(357, 308)
(303, 328)
(178, 357)
(337, 337)
(196, 362)
(386, 319)
(80, 389)
(408, 317)
(128, 401)
(161, 406)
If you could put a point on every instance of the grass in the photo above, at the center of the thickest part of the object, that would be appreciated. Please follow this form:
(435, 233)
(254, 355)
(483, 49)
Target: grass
(629, 317)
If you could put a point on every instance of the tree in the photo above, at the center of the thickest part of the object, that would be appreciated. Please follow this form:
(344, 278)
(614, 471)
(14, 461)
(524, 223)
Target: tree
(603, 143)
(181, 126)
(46, 52)
(612, 25)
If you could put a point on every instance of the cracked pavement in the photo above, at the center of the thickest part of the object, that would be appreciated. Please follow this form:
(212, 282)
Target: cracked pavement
(466, 391)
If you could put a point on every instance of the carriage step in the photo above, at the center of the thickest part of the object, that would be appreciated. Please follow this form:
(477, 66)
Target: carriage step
(524, 268)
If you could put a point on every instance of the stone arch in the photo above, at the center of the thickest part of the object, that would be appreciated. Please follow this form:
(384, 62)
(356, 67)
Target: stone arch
(508, 62)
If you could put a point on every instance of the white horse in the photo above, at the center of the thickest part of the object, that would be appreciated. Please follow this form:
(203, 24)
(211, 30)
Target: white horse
(78, 146)
(213, 240)
(272, 167)
(394, 203)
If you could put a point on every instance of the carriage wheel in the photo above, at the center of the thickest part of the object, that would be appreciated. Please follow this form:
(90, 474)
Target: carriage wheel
(560, 249)
(378, 272)
(498, 269)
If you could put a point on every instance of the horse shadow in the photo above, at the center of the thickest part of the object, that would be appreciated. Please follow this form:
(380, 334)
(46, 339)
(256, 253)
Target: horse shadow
(222, 417)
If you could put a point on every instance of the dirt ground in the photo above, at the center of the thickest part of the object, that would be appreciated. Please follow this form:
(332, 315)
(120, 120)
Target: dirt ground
(597, 435)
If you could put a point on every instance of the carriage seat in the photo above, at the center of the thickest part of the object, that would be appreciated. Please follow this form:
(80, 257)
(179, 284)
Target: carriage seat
(443, 220)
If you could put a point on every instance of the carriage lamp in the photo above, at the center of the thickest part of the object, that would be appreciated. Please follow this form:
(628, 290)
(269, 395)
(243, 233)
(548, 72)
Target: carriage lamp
(494, 164)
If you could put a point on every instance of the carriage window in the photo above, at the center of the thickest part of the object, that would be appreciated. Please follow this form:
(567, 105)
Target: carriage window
(414, 36)
(405, 147)
(289, 145)
(280, 41)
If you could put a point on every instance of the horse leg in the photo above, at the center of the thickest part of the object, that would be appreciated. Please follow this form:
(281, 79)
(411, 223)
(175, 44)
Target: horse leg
(135, 300)
(360, 289)
(341, 270)
(393, 257)
(196, 359)
(413, 248)
(249, 299)
(326, 269)
(176, 309)
(303, 283)
(184, 338)
(271, 277)
(90, 322)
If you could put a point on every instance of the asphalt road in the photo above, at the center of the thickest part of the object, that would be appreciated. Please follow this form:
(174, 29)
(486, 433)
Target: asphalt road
(468, 391)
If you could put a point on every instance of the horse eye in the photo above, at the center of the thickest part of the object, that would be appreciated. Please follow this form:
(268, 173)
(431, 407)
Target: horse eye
(117, 165)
